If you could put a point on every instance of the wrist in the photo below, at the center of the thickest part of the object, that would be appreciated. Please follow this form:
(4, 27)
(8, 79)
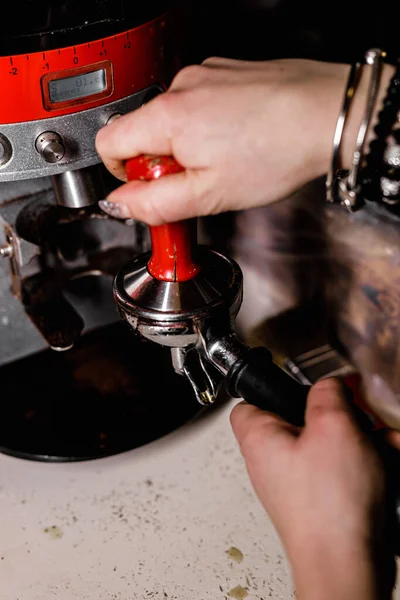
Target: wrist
(332, 570)
(324, 112)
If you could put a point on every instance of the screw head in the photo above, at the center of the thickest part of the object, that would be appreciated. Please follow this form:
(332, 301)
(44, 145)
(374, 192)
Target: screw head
(50, 146)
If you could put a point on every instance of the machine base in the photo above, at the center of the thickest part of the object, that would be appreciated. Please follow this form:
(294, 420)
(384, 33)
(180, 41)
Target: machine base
(111, 393)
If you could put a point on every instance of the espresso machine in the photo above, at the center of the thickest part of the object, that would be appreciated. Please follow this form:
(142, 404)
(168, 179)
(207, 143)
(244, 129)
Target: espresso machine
(75, 385)
(67, 70)
(78, 384)
(113, 334)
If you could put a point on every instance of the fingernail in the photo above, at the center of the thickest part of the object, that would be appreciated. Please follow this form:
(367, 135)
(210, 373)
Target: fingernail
(114, 209)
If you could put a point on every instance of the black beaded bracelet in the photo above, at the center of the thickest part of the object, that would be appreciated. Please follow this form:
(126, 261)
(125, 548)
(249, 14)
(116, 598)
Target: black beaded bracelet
(377, 173)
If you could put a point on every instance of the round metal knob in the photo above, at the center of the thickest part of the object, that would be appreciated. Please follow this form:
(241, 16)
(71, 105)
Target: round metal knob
(5, 150)
(50, 146)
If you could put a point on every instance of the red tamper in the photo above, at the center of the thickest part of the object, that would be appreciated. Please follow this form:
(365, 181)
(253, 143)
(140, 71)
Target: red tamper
(174, 293)
(173, 244)
(186, 296)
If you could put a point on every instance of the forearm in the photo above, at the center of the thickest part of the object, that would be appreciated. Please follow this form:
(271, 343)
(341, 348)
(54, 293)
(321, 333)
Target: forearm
(332, 572)
(266, 130)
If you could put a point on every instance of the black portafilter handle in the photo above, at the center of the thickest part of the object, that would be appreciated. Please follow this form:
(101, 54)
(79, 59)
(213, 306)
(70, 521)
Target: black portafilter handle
(260, 382)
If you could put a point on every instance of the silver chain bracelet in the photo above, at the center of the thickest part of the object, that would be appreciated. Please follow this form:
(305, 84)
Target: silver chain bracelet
(345, 184)
(336, 172)
(349, 185)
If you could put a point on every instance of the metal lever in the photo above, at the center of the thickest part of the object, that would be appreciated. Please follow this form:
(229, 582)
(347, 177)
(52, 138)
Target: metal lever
(173, 244)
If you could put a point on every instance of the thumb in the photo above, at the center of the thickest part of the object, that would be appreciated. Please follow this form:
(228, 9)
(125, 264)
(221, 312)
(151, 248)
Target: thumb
(164, 200)
(328, 397)
(260, 431)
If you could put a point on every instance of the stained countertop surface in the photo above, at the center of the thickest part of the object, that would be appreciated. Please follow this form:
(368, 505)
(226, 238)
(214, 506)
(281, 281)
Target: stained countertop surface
(175, 519)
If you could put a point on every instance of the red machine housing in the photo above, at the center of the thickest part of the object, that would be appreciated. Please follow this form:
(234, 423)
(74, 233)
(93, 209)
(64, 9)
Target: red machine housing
(132, 60)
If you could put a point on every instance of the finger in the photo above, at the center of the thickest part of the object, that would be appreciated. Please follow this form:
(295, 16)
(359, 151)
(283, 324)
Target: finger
(220, 61)
(392, 436)
(116, 168)
(326, 397)
(226, 63)
(257, 429)
(142, 131)
(189, 77)
(164, 200)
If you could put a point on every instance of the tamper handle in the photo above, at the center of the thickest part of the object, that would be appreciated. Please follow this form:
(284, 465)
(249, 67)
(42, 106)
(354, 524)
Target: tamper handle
(258, 380)
(173, 244)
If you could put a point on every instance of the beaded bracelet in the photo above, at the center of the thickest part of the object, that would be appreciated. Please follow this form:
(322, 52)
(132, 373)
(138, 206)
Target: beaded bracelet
(379, 181)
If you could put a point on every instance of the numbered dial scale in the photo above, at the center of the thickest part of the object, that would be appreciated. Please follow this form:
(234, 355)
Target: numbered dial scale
(63, 96)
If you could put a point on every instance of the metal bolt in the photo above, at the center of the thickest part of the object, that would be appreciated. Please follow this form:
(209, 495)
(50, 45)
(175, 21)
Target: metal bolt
(6, 251)
(50, 146)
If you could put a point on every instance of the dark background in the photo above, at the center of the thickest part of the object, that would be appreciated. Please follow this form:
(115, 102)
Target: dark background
(339, 31)
(248, 29)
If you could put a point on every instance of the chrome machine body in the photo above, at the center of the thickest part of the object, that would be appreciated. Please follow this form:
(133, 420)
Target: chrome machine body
(65, 72)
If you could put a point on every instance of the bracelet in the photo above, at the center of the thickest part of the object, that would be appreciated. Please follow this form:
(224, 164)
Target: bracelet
(349, 186)
(336, 173)
(380, 175)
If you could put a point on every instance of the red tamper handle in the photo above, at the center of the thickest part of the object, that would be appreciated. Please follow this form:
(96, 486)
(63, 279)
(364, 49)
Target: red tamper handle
(173, 244)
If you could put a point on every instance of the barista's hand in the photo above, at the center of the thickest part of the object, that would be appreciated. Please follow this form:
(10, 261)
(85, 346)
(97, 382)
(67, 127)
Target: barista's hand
(323, 488)
(248, 133)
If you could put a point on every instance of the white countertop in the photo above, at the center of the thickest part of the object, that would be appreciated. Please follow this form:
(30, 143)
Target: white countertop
(154, 523)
